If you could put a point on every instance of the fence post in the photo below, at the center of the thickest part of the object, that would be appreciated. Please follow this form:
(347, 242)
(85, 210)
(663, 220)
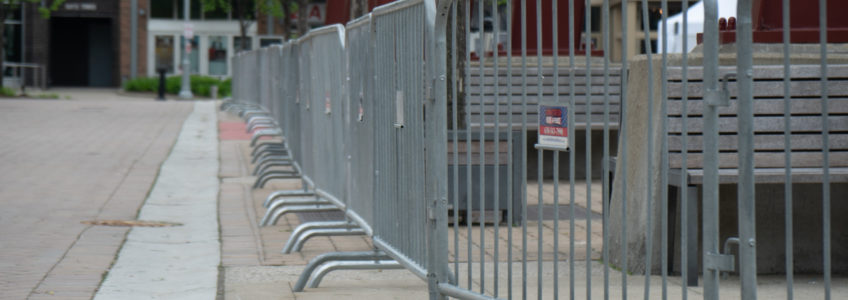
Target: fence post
(710, 186)
(437, 136)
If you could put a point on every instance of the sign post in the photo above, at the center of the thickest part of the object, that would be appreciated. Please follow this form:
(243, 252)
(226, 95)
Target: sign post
(188, 33)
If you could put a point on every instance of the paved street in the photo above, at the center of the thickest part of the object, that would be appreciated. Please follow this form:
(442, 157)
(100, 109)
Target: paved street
(93, 157)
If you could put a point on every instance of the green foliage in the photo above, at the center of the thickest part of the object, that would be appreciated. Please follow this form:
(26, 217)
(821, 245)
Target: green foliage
(8, 92)
(200, 85)
(274, 8)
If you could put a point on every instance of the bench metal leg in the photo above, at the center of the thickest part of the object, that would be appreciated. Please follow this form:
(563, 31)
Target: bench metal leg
(319, 260)
(692, 232)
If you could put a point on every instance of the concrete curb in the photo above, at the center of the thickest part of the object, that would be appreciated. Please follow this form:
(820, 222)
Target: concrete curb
(179, 262)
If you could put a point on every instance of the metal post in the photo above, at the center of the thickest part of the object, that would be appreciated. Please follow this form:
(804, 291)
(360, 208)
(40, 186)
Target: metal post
(437, 136)
(745, 104)
(269, 21)
(133, 38)
(710, 186)
(185, 91)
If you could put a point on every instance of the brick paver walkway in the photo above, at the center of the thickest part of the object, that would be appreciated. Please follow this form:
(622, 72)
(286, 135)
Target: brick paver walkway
(64, 162)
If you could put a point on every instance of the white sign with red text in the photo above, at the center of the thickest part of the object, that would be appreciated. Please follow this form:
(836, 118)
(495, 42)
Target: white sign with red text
(553, 126)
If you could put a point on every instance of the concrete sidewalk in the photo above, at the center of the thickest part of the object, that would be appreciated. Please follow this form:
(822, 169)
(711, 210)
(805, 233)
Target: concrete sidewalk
(176, 262)
(69, 161)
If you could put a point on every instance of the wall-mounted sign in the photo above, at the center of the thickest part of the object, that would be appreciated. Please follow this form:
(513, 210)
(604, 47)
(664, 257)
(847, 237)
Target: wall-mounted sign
(81, 6)
(316, 14)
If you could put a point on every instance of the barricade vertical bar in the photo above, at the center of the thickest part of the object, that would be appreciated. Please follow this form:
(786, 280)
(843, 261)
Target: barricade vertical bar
(481, 54)
(468, 191)
(524, 148)
(606, 156)
(825, 147)
(539, 78)
(455, 149)
(710, 182)
(436, 135)
(684, 196)
(510, 161)
(623, 142)
(745, 107)
(588, 47)
(555, 43)
(787, 162)
(571, 153)
(664, 153)
(649, 241)
(496, 184)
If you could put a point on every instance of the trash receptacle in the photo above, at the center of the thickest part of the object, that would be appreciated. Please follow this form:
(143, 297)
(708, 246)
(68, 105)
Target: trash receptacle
(213, 92)
(491, 188)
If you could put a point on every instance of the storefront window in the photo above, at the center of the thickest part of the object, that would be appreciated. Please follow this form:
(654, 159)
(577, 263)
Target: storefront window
(237, 44)
(217, 55)
(193, 54)
(165, 52)
(269, 41)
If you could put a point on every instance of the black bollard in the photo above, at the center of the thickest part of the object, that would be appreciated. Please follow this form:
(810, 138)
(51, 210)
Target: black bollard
(161, 96)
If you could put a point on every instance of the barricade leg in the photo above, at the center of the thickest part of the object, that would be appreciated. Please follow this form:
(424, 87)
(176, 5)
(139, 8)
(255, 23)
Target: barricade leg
(319, 260)
(272, 219)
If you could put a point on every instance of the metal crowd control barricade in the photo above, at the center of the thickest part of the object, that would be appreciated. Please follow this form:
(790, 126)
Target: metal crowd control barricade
(365, 115)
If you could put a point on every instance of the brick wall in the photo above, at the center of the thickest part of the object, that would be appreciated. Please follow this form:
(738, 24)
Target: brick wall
(124, 52)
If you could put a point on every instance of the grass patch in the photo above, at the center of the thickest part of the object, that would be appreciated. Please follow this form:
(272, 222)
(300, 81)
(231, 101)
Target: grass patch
(200, 85)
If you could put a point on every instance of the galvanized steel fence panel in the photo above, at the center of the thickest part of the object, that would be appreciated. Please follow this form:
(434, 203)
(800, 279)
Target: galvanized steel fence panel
(359, 119)
(399, 134)
(364, 110)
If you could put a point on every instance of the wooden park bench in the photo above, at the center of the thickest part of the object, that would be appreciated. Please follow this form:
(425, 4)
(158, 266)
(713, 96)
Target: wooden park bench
(769, 151)
(483, 115)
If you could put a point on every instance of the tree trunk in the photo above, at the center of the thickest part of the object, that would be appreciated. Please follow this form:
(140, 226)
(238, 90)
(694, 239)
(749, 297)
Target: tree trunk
(240, 9)
(303, 13)
(286, 6)
(458, 74)
(358, 8)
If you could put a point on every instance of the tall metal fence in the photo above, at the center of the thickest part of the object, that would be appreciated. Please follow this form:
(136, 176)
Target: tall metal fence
(650, 170)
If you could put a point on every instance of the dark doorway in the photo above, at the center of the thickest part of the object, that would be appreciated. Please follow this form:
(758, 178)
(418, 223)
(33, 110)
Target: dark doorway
(81, 52)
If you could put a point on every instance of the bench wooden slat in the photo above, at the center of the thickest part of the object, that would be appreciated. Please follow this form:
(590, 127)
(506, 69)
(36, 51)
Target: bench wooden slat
(475, 158)
(533, 99)
(764, 106)
(518, 81)
(564, 90)
(763, 160)
(837, 141)
(516, 109)
(765, 175)
(462, 146)
(503, 70)
(761, 89)
(764, 72)
(773, 124)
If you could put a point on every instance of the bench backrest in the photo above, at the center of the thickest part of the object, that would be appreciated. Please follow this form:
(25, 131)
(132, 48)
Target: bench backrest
(806, 117)
(499, 84)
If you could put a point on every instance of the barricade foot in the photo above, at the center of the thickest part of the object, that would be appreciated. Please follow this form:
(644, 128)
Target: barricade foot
(319, 260)
(300, 229)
